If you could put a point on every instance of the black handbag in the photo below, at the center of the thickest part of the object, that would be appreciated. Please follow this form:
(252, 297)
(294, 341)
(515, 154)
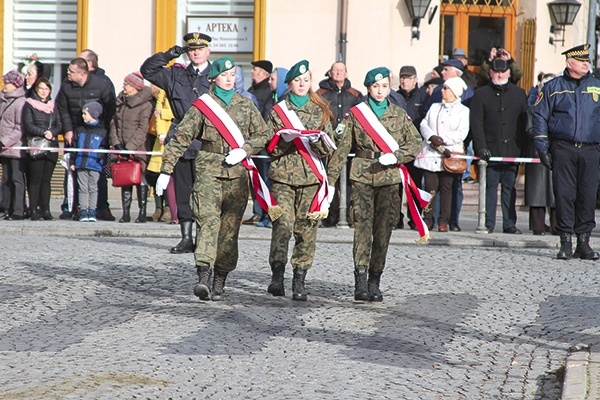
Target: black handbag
(41, 144)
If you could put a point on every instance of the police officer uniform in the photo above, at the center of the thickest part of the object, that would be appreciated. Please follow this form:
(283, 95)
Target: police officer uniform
(182, 86)
(565, 133)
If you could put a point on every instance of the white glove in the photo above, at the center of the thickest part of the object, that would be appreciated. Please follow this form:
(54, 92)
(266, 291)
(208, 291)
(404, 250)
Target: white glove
(161, 184)
(235, 156)
(330, 193)
(388, 159)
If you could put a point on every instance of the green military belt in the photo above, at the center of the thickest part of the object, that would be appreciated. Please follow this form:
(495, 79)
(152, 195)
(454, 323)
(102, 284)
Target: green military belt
(213, 148)
(368, 154)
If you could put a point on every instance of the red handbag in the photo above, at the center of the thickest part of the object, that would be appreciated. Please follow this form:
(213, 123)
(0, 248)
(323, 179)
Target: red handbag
(126, 172)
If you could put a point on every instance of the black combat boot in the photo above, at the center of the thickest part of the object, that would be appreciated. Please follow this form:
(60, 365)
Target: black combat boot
(566, 247)
(219, 277)
(187, 243)
(142, 195)
(360, 284)
(126, 195)
(583, 249)
(276, 287)
(373, 284)
(202, 290)
(298, 290)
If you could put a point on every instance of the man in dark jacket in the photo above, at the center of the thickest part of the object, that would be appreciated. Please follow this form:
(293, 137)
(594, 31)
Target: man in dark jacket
(416, 97)
(260, 73)
(183, 85)
(340, 94)
(103, 208)
(566, 135)
(336, 89)
(81, 87)
(498, 120)
(261, 89)
(468, 76)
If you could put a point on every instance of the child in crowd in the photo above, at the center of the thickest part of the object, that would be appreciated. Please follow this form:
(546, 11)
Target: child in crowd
(89, 164)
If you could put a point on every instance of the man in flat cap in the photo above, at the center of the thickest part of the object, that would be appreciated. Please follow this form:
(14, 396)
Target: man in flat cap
(183, 85)
(467, 76)
(565, 133)
(260, 73)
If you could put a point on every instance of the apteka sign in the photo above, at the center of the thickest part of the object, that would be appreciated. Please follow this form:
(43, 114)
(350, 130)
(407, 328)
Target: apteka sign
(229, 34)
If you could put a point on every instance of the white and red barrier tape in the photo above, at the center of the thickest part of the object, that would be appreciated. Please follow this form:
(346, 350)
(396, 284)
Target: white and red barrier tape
(525, 160)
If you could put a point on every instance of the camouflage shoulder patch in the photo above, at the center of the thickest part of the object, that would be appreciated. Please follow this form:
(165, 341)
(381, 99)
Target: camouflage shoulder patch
(539, 98)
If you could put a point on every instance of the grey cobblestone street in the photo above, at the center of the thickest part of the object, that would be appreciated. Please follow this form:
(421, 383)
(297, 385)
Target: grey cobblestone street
(114, 317)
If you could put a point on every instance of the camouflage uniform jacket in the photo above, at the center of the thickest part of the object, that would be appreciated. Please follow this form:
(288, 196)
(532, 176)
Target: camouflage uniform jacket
(287, 165)
(196, 126)
(369, 170)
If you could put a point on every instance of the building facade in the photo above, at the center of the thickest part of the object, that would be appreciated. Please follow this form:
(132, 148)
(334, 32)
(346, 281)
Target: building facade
(382, 33)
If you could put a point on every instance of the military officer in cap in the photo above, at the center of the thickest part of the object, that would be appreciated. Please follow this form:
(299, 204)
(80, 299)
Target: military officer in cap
(565, 133)
(220, 192)
(375, 204)
(295, 183)
(182, 85)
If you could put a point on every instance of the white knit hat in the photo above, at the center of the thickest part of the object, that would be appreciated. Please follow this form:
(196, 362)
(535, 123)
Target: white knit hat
(457, 85)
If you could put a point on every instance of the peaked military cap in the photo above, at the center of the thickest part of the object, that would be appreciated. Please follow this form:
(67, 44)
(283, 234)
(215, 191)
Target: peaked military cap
(580, 53)
(300, 68)
(220, 65)
(196, 40)
(375, 75)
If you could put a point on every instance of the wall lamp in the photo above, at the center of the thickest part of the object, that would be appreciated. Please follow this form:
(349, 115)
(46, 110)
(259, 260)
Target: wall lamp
(563, 12)
(417, 10)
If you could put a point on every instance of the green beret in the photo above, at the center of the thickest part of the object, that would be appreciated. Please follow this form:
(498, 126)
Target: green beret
(297, 69)
(220, 65)
(375, 75)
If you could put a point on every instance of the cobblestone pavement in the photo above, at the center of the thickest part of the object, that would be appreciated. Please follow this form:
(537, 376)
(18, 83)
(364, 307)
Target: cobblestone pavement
(115, 318)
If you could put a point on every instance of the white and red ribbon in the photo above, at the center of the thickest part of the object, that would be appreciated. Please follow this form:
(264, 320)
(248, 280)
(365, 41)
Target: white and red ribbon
(386, 143)
(231, 133)
(294, 130)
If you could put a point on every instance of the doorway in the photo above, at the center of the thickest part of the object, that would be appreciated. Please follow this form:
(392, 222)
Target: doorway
(476, 28)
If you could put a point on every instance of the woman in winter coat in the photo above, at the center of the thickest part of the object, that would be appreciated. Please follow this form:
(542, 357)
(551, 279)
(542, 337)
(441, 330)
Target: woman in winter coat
(443, 129)
(41, 119)
(129, 131)
(14, 163)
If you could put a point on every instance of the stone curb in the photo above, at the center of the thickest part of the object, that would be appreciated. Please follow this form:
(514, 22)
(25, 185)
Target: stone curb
(576, 379)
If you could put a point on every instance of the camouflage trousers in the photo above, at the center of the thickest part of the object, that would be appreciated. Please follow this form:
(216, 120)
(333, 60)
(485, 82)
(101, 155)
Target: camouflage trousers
(376, 210)
(218, 206)
(295, 202)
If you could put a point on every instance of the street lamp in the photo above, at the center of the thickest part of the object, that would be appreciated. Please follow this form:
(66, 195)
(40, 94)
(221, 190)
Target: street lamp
(417, 10)
(563, 13)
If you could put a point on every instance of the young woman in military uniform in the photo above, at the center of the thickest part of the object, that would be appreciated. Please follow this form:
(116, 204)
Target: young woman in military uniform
(375, 176)
(220, 191)
(295, 184)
